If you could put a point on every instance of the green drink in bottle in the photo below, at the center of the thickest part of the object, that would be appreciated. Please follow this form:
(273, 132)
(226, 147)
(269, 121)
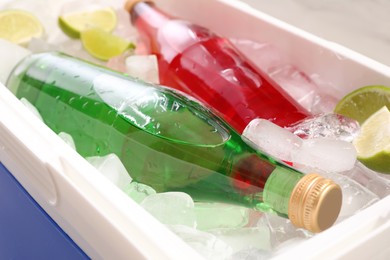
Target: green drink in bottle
(168, 140)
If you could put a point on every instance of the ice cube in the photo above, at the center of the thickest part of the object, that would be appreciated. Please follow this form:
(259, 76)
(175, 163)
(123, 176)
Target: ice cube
(328, 125)
(379, 186)
(385, 176)
(325, 154)
(319, 153)
(68, 139)
(272, 139)
(327, 97)
(32, 108)
(323, 103)
(112, 168)
(311, 91)
(224, 215)
(373, 181)
(141, 48)
(282, 230)
(138, 191)
(37, 45)
(244, 238)
(143, 67)
(124, 27)
(206, 244)
(74, 6)
(297, 84)
(283, 247)
(74, 47)
(171, 208)
(265, 56)
(355, 196)
(118, 63)
(251, 254)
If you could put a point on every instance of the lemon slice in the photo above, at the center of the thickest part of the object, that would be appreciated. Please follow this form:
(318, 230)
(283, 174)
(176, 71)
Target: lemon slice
(373, 143)
(104, 45)
(363, 102)
(19, 26)
(74, 23)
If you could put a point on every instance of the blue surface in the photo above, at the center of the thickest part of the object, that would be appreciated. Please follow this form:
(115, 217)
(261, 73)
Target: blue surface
(26, 231)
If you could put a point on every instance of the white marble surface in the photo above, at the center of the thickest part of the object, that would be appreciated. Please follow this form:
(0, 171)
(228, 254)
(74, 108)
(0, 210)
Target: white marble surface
(361, 25)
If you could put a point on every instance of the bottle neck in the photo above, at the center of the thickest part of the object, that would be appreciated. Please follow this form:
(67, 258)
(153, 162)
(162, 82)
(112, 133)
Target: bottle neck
(279, 187)
(147, 17)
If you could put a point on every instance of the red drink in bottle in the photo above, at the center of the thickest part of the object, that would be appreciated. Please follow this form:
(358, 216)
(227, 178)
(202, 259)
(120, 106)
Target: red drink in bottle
(207, 66)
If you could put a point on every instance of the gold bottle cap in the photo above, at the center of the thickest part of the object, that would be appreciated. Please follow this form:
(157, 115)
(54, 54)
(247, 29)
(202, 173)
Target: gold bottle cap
(130, 4)
(315, 203)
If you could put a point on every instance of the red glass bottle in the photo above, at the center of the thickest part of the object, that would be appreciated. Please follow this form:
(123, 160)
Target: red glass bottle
(207, 66)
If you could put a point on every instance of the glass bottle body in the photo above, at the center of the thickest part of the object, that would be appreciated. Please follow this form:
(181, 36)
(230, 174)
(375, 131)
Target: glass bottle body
(164, 138)
(207, 66)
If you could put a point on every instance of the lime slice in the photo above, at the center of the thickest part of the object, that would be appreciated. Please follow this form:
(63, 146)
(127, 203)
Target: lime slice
(373, 143)
(74, 23)
(363, 102)
(19, 26)
(104, 45)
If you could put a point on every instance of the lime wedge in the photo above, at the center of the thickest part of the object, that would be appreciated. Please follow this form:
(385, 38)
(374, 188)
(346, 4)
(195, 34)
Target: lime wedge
(74, 23)
(373, 143)
(19, 26)
(104, 45)
(363, 102)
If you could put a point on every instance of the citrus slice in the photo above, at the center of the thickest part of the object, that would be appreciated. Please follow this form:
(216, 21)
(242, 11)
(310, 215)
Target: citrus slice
(104, 45)
(19, 26)
(373, 143)
(74, 23)
(363, 102)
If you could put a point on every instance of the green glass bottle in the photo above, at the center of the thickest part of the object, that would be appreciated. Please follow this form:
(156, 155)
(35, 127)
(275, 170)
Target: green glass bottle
(168, 140)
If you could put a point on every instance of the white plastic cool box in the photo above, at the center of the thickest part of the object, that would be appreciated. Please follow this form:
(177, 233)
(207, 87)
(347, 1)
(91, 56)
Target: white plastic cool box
(105, 223)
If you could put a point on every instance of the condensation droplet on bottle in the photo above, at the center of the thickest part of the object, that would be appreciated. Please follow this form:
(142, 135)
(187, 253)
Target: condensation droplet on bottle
(71, 100)
(85, 104)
